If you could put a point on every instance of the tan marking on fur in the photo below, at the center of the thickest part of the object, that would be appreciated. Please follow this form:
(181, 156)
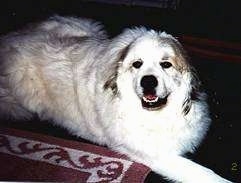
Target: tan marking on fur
(180, 61)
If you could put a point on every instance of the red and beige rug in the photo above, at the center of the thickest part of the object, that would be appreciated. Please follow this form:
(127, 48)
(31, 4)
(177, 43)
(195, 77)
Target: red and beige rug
(26, 156)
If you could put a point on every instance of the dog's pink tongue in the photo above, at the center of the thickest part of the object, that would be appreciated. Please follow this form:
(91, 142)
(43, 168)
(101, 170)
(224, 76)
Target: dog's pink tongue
(150, 97)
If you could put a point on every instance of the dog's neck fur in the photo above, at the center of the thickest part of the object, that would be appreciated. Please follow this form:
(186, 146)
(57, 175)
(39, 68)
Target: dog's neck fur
(171, 124)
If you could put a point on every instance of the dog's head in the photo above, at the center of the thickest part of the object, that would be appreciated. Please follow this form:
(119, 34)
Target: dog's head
(153, 67)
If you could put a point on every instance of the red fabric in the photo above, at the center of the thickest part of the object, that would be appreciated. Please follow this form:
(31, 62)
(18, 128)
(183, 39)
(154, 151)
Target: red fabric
(26, 156)
(212, 49)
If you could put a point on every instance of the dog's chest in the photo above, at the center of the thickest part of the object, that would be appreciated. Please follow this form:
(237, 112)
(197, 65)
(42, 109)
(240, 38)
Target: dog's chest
(149, 129)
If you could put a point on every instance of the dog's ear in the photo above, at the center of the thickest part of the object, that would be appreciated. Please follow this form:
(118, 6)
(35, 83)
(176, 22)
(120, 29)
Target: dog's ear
(197, 88)
(195, 83)
(196, 92)
(111, 83)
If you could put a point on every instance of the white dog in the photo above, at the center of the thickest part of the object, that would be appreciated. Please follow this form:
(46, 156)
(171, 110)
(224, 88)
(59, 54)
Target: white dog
(135, 93)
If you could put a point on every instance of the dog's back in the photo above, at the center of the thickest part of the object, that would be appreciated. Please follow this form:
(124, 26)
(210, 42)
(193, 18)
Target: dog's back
(26, 54)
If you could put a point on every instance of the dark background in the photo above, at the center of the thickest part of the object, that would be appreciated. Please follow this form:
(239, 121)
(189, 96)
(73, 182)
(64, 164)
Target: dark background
(218, 19)
(215, 19)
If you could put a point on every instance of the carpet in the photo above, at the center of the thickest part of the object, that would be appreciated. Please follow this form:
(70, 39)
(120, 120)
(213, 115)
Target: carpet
(27, 156)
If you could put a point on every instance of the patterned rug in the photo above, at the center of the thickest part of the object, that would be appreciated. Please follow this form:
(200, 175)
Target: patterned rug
(26, 156)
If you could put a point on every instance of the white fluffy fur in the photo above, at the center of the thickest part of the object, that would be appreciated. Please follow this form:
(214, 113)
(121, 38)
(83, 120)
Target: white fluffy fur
(66, 70)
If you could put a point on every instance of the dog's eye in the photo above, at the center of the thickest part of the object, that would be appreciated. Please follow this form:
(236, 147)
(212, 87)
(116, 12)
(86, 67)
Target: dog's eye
(137, 64)
(166, 65)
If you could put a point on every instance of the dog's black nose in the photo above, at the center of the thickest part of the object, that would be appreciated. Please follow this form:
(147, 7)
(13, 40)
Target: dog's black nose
(149, 82)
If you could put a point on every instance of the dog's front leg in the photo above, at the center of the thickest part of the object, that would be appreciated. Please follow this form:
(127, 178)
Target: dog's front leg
(182, 170)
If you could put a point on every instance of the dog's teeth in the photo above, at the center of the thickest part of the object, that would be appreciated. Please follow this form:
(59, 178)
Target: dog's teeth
(147, 100)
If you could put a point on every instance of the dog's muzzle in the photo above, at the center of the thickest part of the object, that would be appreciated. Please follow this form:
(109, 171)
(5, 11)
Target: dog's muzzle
(150, 100)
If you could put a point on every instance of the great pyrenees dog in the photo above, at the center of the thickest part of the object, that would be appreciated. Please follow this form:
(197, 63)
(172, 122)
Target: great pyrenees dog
(135, 93)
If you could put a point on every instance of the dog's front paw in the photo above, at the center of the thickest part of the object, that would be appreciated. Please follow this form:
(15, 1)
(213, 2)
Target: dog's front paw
(211, 178)
(204, 176)
(219, 180)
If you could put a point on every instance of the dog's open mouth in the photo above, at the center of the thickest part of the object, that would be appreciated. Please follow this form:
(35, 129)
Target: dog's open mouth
(153, 102)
